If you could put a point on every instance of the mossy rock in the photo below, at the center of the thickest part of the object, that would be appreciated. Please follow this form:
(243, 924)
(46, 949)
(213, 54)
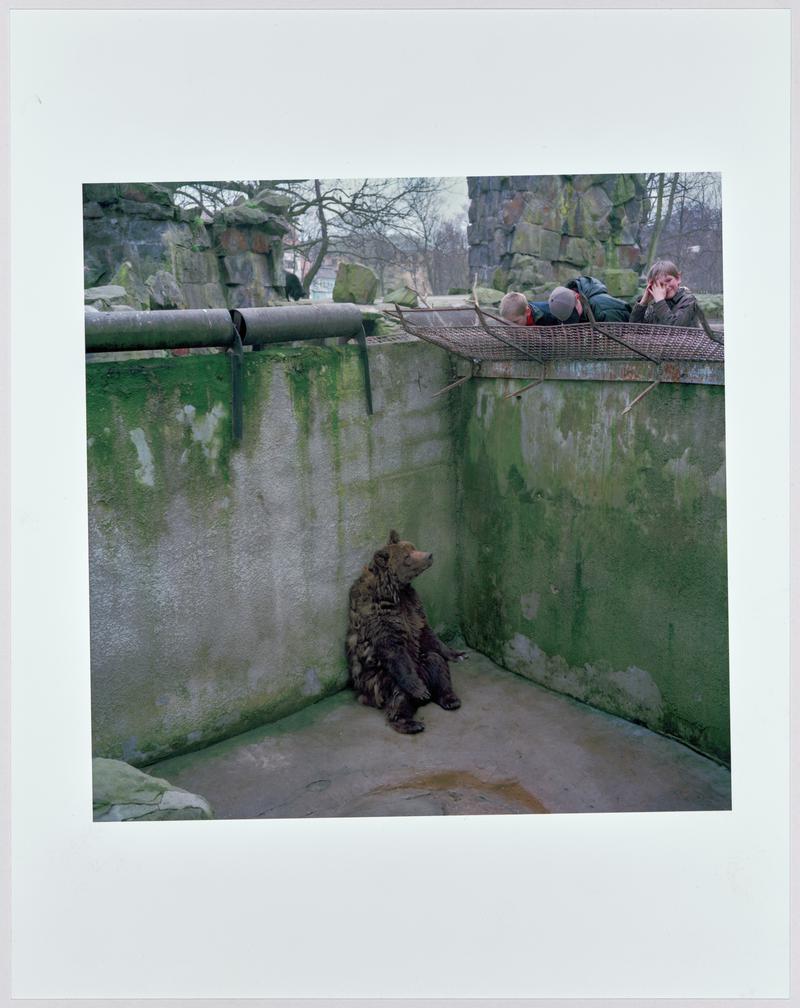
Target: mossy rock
(150, 211)
(355, 284)
(580, 183)
(249, 215)
(200, 236)
(595, 206)
(94, 270)
(101, 192)
(195, 267)
(621, 283)
(525, 275)
(165, 291)
(489, 296)
(531, 239)
(577, 251)
(274, 202)
(563, 272)
(500, 279)
(108, 292)
(540, 292)
(137, 294)
(146, 192)
(711, 305)
(122, 793)
(624, 190)
(403, 296)
(544, 201)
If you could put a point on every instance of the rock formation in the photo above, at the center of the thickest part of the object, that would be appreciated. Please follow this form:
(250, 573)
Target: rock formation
(531, 232)
(355, 283)
(123, 793)
(164, 256)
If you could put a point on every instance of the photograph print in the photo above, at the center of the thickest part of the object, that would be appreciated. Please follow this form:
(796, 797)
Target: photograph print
(407, 496)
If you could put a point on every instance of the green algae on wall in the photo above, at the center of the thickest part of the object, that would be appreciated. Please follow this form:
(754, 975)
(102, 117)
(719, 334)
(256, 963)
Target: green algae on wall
(135, 465)
(594, 547)
(219, 573)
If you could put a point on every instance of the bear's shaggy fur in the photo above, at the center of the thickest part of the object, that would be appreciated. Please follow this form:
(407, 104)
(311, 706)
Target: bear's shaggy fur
(396, 661)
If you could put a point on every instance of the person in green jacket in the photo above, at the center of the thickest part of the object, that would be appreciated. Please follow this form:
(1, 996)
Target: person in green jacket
(568, 303)
(665, 302)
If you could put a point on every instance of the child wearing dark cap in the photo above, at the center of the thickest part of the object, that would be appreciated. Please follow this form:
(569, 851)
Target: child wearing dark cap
(567, 303)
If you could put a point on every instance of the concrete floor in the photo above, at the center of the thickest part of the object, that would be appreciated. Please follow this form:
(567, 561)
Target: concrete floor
(512, 747)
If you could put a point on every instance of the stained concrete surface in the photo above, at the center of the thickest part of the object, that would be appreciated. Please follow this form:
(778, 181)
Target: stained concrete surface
(512, 747)
(269, 537)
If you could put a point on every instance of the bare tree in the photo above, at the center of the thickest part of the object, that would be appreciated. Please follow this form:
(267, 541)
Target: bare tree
(393, 225)
(329, 215)
(378, 251)
(661, 220)
(431, 249)
(211, 197)
(449, 257)
(689, 229)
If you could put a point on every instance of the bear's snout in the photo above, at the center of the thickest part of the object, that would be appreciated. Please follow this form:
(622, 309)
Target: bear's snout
(423, 560)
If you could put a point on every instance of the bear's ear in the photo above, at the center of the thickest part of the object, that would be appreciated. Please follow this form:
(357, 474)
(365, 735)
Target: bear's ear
(394, 537)
(381, 558)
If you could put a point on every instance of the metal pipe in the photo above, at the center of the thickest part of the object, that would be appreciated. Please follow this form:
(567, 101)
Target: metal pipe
(211, 327)
(236, 354)
(158, 330)
(261, 326)
(362, 346)
(218, 327)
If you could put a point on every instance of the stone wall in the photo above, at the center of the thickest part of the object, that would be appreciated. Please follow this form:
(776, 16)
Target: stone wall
(594, 546)
(141, 251)
(218, 574)
(531, 232)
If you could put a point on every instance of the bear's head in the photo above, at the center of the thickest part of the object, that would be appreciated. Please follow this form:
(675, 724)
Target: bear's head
(401, 560)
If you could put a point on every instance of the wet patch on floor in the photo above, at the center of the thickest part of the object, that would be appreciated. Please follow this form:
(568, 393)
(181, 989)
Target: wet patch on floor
(448, 792)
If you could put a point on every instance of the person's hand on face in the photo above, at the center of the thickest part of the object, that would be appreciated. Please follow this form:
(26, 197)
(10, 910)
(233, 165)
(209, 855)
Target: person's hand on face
(658, 289)
(671, 285)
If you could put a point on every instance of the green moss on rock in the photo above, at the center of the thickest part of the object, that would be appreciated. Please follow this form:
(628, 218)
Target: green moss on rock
(123, 793)
(355, 284)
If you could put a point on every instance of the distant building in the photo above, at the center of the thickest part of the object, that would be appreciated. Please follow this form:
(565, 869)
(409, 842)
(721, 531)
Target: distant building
(322, 285)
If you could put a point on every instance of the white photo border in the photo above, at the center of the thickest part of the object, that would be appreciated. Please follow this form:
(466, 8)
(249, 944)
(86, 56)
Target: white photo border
(682, 905)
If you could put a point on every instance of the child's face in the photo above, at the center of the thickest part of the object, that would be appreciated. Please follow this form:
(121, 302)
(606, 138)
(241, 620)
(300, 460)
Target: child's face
(669, 283)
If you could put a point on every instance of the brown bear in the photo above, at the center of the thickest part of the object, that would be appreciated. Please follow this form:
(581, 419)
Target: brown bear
(396, 661)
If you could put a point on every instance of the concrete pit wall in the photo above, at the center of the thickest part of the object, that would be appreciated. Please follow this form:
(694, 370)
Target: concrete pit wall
(577, 547)
(219, 575)
(594, 546)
